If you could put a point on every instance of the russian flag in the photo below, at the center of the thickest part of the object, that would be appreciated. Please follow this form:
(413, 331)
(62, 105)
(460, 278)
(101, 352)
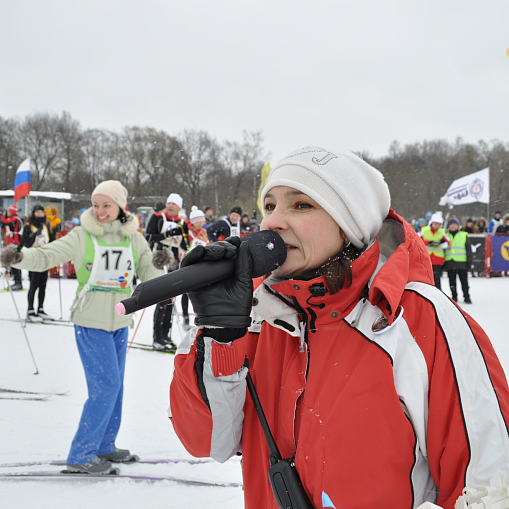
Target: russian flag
(22, 180)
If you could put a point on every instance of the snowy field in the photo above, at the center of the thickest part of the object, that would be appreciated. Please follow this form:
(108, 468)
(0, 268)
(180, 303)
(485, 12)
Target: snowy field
(43, 430)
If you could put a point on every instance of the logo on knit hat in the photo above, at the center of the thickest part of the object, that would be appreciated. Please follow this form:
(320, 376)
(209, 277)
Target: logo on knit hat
(329, 156)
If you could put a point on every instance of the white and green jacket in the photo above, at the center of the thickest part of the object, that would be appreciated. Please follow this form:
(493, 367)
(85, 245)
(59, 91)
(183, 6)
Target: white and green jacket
(98, 307)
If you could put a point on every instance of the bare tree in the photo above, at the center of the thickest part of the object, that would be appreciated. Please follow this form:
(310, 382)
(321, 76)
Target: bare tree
(241, 163)
(151, 159)
(72, 156)
(9, 154)
(38, 138)
(197, 158)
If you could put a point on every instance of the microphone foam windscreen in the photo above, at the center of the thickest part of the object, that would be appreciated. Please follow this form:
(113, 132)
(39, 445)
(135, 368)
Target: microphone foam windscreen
(268, 251)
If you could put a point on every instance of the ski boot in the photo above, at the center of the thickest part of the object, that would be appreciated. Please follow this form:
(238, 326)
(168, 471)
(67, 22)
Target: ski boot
(33, 318)
(165, 346)
(119, 456)
(96, 466)
(45, 317)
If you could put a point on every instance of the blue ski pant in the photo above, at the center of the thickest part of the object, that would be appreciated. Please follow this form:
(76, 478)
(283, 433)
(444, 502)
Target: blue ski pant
(103, 355)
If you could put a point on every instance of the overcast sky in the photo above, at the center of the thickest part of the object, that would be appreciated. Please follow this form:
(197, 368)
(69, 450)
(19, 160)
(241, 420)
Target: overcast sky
(354, 74)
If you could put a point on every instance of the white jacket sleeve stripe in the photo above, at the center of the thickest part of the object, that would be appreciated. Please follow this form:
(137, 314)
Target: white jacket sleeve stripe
(485, 427)
(226, 396)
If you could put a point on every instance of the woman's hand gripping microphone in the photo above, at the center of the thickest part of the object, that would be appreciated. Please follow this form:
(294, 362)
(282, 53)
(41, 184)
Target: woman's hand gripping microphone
(226, 304)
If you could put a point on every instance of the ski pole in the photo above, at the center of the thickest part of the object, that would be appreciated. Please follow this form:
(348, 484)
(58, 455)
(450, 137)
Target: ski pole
(60, 294)
(134, 335)
(21, 323)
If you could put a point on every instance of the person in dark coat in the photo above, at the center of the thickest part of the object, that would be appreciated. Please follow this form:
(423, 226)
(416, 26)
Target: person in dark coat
(457, 260)
(37, 233)
(168, 236)
(470, 227)
(504, 227)
(229, 227)
(481, 226)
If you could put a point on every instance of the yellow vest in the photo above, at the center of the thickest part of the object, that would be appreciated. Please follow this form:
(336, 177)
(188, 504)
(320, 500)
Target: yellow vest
(457, 251)
(428, 235)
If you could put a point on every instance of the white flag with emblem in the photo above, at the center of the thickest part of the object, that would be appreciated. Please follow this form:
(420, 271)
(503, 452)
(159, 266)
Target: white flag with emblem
(469, 189)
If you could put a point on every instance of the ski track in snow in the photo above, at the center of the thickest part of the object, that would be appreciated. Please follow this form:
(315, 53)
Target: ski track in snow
(43, 430)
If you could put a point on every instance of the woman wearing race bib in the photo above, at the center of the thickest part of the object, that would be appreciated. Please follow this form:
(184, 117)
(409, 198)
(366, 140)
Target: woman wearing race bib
(106, 251)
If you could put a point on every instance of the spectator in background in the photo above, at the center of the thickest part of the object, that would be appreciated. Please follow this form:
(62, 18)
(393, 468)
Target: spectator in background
(456, 260)
(470, 227)
(197, 232)
(229, 227)
(37, 233)
(504, 225)
(495, 223)
(11, 225)
(436, 242)
(209, 216)
(428, 216)
(247, 225)
(421, 223)
(55, 223)
(480, 224)
(168, 236)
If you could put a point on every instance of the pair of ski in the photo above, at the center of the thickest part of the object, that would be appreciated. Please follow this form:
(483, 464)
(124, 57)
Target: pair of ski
(114, 474)
(28, 395)
(65, 323)
(149, 348)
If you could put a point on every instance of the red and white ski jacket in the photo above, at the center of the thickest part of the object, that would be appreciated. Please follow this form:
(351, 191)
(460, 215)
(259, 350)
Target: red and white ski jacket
(412, 412)
(12, 227)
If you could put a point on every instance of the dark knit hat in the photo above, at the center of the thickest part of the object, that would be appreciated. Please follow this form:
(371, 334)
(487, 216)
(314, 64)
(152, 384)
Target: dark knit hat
(208, 207)
(469, 220)
(453, 220)
(160, 205)
(36, 207)
(236, 209)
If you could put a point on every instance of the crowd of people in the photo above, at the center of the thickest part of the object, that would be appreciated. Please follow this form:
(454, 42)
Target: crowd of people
(447, 245)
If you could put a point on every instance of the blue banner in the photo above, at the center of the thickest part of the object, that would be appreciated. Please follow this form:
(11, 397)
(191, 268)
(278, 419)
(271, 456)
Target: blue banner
(500, 252)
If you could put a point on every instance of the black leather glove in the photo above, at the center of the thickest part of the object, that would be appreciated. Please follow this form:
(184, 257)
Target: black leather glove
(226, 304)
(174, 232)
(434, 244)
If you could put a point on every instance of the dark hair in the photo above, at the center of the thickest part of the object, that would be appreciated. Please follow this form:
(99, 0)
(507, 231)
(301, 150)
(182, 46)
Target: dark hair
(122, 216)
(31, 218)
(337, 271)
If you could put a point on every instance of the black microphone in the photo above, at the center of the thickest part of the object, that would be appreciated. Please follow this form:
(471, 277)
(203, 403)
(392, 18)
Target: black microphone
(268, 252)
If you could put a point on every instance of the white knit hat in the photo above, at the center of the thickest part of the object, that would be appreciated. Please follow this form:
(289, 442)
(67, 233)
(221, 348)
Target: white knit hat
(112, 189)
(351, 191)
(196, 215)
(175, 198)
(436, 218)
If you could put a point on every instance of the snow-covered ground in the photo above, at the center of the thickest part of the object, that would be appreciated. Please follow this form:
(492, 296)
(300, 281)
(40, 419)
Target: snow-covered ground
(43, 430)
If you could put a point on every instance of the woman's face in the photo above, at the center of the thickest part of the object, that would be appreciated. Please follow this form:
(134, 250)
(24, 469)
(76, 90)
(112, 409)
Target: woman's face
(310, 234)
(105, 209)
(39, 213)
